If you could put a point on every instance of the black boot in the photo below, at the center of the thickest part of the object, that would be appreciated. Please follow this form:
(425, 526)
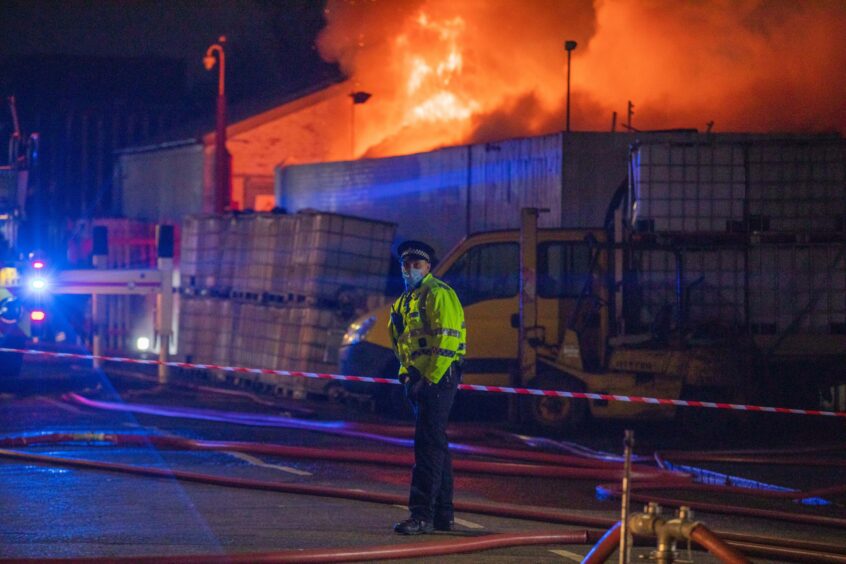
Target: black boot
(413, 526)
(444, 524)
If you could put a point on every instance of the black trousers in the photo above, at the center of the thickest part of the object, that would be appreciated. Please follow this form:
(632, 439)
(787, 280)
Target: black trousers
(431, 478)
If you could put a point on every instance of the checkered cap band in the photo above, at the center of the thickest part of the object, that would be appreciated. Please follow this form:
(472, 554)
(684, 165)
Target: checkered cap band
(416, 252)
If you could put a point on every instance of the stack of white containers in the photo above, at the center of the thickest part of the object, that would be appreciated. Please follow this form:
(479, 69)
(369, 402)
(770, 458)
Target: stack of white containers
(332, 253)
(269, 298)
(787, 195)
(798, 187)
(200, 249)
(801, 288)
(690, 188)
(715, 279)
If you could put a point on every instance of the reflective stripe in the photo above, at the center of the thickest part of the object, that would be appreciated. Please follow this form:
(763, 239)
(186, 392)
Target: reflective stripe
(437, 352)
(449, 332)
(428, 329)
(419, 353)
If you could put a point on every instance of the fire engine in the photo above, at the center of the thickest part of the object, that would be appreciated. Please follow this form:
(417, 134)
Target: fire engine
(23, 277)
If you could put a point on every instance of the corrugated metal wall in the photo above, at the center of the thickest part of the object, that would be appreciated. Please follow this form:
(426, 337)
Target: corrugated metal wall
(443, 195)
(514, 174)
(425, 194)
(440, 196)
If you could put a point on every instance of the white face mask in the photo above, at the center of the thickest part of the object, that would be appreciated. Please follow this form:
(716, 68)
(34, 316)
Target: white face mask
(412, 277)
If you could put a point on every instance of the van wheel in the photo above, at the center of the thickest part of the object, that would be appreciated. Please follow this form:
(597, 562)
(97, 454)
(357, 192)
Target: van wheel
(548, 413)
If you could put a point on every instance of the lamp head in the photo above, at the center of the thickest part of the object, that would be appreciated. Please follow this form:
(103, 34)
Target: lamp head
(570, 45)
(208, 62)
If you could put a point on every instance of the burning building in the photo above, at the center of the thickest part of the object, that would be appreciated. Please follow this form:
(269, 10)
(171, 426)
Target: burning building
(425, 75)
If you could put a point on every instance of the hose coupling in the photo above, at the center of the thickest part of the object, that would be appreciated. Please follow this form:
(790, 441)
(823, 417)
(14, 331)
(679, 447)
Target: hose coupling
(667, 532)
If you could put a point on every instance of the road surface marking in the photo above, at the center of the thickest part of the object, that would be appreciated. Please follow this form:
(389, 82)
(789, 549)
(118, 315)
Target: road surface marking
(568, 555)
(258, 462)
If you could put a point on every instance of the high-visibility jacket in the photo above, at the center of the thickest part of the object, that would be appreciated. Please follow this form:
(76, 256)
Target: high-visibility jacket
(427, 329)
(10, 325)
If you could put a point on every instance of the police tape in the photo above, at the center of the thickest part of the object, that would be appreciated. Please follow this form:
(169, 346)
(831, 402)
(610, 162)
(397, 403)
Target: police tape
(467, 387)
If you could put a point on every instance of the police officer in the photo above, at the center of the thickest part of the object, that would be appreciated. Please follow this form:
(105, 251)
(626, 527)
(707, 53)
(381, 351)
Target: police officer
(428, 334)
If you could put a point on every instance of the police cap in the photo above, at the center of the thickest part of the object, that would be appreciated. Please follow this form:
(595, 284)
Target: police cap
(416, 250)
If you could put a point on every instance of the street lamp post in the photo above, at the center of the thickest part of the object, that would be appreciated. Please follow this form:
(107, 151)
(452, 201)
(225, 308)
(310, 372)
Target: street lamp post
(222, 158)
(569, 45)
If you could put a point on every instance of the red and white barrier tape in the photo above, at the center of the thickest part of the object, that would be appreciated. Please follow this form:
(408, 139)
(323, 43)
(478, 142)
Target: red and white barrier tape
(469, 387)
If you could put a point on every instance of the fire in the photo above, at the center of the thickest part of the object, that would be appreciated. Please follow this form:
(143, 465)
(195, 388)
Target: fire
(430, 74)
(448, 72)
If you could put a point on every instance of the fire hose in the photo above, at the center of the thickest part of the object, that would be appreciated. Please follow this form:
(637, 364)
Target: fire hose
(370, 432)
(758, 544)
(763, 546)
(401, 460)
(589, 469)
(755, 545)
(517, 469)
(369, 553)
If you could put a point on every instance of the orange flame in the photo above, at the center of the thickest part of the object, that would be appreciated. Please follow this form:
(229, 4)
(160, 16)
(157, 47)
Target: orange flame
(446, 72)
(430, 74)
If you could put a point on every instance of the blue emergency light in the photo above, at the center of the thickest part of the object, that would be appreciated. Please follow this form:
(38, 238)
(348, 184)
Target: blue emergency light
(38, 284)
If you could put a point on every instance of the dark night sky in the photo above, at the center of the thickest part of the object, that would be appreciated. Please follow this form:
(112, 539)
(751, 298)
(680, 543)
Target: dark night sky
(270, 43)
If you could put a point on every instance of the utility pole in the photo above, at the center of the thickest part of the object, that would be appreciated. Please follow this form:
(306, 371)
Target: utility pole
(222, 158)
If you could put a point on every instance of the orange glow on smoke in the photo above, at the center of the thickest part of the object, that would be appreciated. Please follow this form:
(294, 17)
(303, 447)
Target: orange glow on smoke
(445, 72)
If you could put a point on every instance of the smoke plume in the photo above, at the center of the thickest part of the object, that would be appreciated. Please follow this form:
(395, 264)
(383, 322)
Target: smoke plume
(456, 71)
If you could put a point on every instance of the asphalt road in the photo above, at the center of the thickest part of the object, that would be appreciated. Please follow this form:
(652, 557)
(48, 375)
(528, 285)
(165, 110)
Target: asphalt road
(53, 509)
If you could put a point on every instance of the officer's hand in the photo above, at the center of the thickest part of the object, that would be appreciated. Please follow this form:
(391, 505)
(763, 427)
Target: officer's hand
(412, 384)
(406, 388)
(416, 388)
